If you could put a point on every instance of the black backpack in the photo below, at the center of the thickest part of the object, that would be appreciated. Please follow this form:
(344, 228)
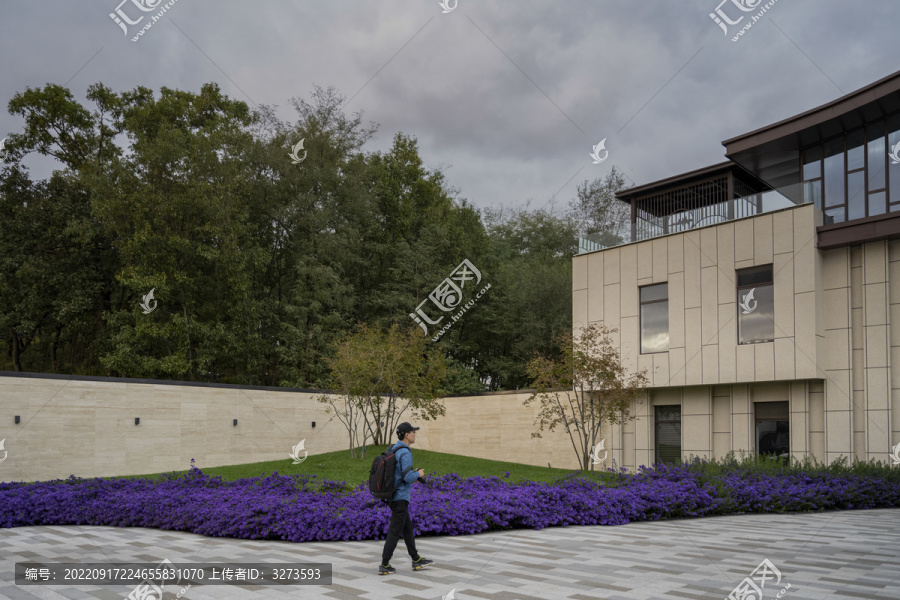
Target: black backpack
(381, 475)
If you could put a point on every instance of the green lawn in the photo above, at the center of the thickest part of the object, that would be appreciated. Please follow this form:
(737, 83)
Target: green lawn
(338, 466)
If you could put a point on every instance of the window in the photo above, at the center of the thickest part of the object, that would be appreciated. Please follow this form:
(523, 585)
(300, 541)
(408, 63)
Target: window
(875, 158)
(668, 433)
(654, 318)
(834, 180)
(812, 176)
(893, 128)
(856, 192)
(854, 178)
(772, 429)
(856, 175)
(756, 305)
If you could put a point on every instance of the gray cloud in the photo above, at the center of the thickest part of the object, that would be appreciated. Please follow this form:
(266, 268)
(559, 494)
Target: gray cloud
(508, 96)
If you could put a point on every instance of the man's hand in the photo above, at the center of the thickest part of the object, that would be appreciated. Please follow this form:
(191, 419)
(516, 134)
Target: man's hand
(421, 472)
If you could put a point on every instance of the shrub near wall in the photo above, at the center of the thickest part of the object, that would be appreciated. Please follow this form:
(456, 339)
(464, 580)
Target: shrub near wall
(298, 508)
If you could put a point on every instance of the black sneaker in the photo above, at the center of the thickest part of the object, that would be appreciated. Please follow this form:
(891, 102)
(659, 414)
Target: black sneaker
(386, 570)
(421, 563)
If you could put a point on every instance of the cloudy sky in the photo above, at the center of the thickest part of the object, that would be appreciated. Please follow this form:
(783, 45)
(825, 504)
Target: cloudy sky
(508, 97)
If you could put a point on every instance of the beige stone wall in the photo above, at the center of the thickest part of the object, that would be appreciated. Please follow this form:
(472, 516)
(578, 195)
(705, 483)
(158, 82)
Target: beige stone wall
(836, 354)
(862, 331)
(699, 266)
(716, 420)
(86, 428)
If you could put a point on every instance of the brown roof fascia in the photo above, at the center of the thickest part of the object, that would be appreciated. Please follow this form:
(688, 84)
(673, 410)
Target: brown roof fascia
(722, 167)
(815, 116)
(870, 229)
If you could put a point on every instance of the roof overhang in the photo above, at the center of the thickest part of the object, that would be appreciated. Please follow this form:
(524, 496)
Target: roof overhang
(772, 153)
(722, 169)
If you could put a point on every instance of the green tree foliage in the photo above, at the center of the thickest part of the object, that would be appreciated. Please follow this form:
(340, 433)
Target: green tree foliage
(529, 266)
(379, 376)
(583, 386)
(598, 215)
(259, 266)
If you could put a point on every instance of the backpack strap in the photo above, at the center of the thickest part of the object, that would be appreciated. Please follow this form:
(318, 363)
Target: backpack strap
(409, 468)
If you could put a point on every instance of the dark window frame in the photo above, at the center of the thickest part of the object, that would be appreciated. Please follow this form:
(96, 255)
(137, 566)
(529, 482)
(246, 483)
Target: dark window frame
(891, 205)
(747, 286)
(641, 304)
(656, 423)
(777, 420)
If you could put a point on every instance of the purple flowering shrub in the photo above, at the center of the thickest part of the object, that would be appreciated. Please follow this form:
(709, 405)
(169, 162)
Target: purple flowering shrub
(298, 508)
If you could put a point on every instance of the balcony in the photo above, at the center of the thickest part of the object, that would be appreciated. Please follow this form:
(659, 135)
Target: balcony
(652, 218)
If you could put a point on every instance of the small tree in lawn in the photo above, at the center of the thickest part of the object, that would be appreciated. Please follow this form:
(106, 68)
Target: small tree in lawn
(584, 386)
(379, 376)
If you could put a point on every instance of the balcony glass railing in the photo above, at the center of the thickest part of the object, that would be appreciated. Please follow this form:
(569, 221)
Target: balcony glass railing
(648, 226)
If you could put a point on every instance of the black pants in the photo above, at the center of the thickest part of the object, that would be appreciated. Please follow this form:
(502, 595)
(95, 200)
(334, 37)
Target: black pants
(401, 525)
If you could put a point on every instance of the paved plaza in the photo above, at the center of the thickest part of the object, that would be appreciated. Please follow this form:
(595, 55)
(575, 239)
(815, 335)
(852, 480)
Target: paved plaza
(849, 554)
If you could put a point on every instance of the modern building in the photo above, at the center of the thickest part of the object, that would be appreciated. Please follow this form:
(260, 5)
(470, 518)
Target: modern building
(762, 294)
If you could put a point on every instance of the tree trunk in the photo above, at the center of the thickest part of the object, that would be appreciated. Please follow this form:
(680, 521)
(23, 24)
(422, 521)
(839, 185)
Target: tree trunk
(187, 331)
(16, 357)
(54, 364)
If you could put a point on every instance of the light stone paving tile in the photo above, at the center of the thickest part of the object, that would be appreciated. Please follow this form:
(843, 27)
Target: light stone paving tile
(829, 555)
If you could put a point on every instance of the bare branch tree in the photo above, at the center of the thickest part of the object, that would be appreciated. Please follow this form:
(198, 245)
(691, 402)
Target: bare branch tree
(584, 386)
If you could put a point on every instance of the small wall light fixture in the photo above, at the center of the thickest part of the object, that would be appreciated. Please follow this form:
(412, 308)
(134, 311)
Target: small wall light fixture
(235, 422)
(314, 424)
(137, 420)
(18, 418)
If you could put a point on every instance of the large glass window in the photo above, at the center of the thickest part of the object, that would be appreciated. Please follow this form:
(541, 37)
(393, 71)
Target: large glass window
(812, 176)
(668, 433)
(859, 174)
(855, 158)
(875, 156)
(876, 203)
(856, 194)
(654, 318)
(893, 168)
(812, 163)
(834, 177)
(773, 429)
(756, 305)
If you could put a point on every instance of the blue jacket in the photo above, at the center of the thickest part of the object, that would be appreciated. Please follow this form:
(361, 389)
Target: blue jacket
(403, 485)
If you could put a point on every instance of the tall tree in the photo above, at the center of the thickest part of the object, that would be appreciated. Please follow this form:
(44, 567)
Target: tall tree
(529, 266)
(379, 376)
(584, 386)
(56, 257)
(598, 215)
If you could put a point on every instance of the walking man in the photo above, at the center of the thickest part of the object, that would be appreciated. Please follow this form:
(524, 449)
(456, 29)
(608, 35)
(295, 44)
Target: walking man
(401, 523)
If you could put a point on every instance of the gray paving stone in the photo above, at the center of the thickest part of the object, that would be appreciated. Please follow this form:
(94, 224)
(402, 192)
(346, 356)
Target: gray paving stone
(828, 556)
